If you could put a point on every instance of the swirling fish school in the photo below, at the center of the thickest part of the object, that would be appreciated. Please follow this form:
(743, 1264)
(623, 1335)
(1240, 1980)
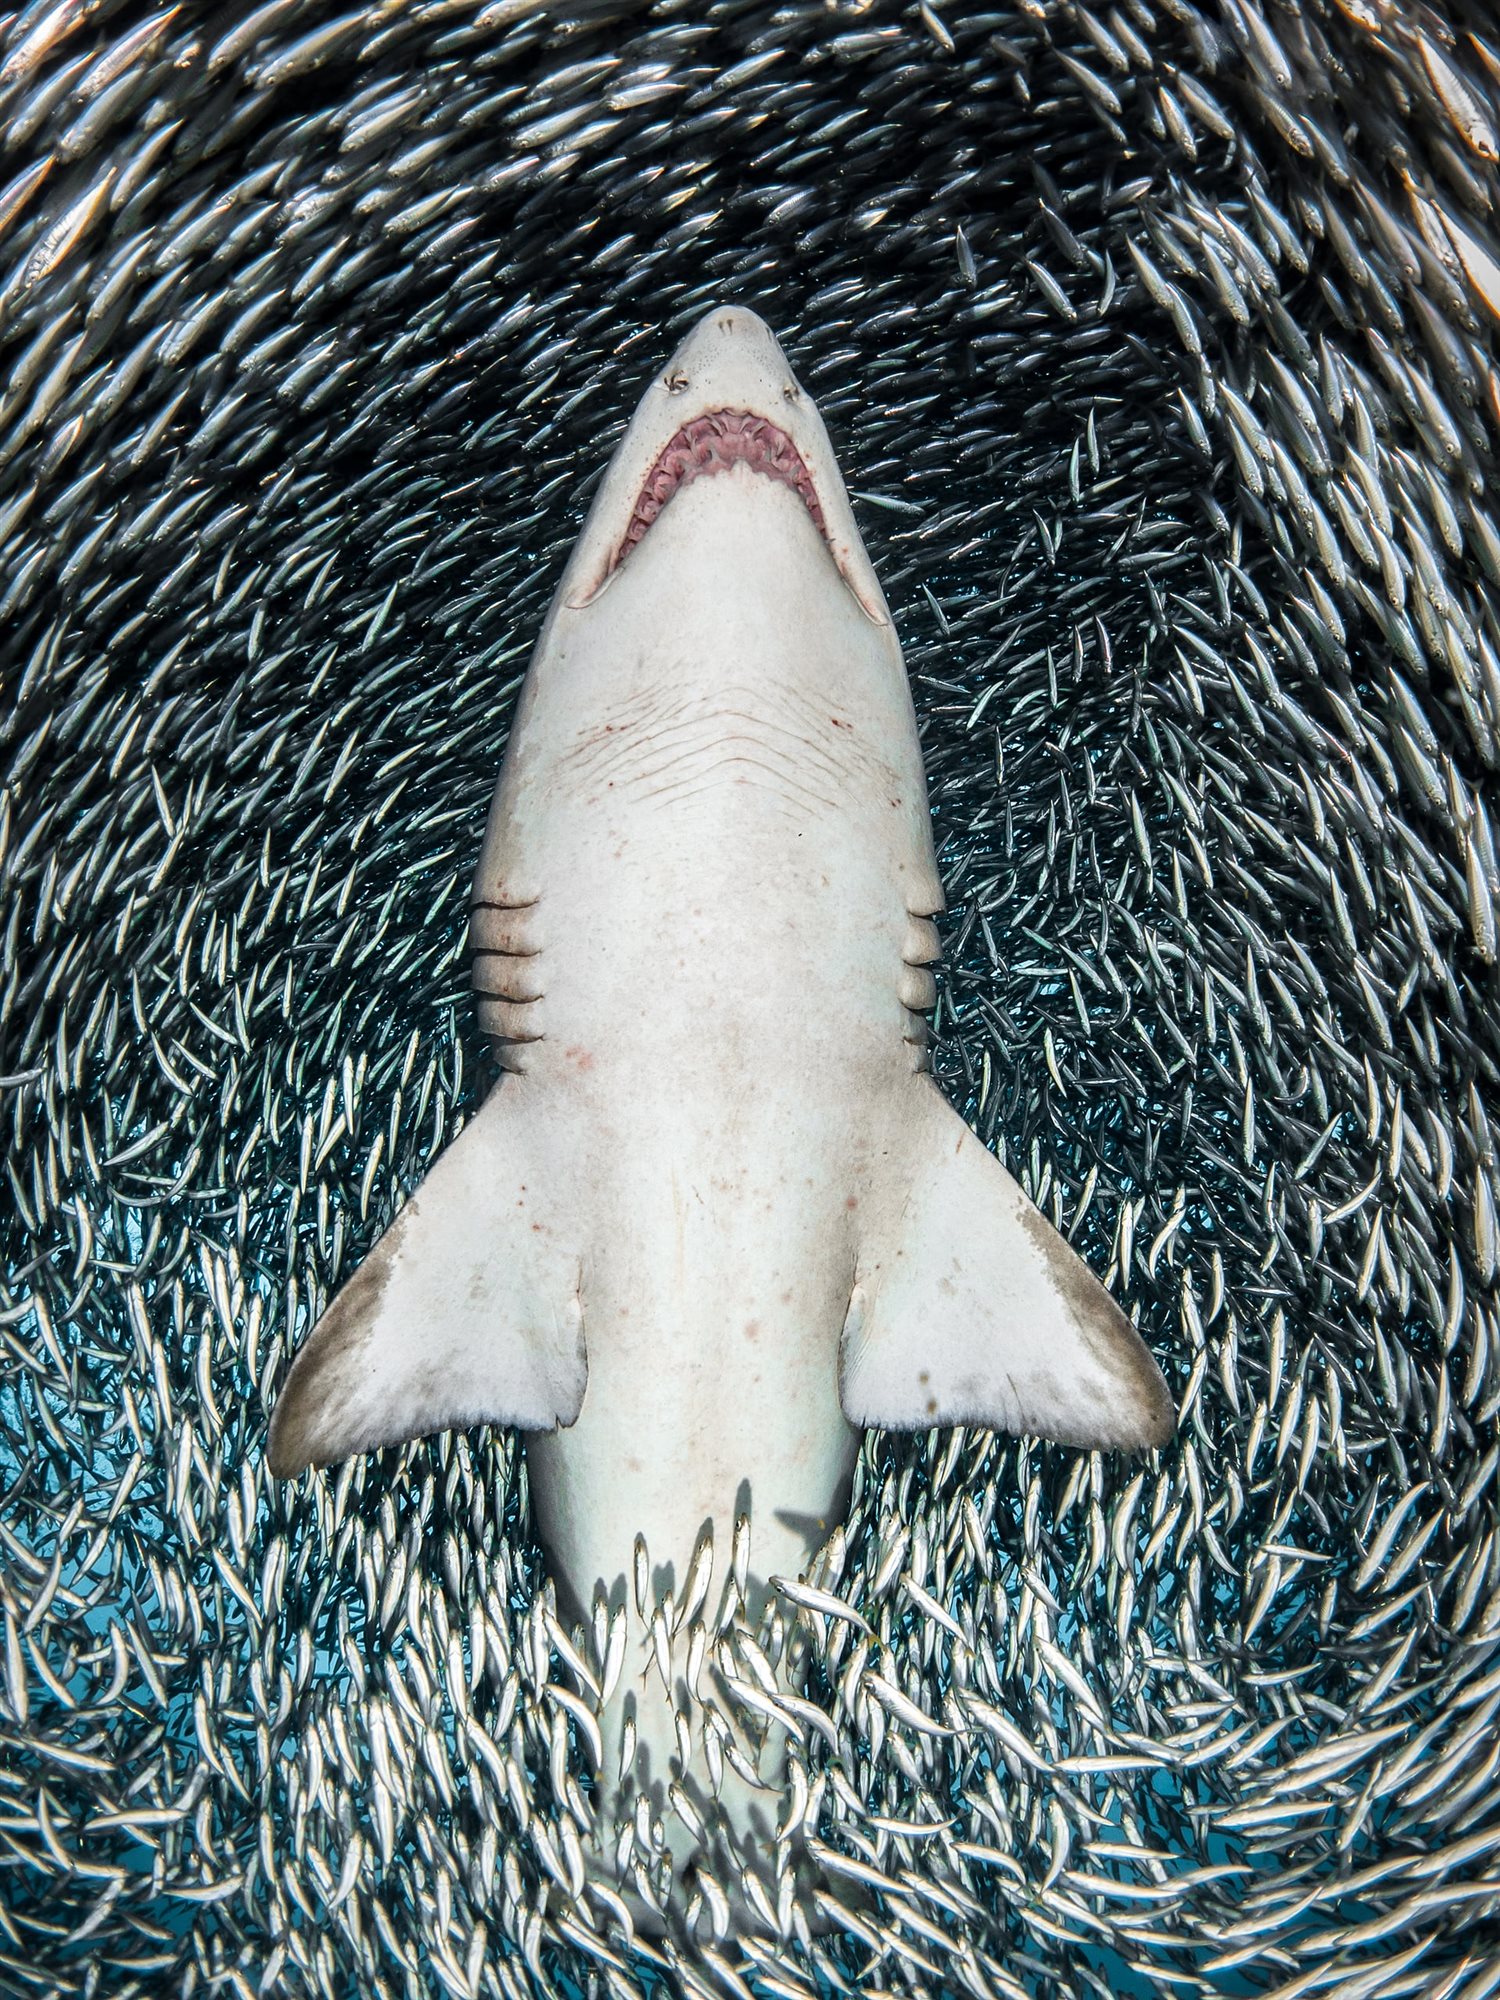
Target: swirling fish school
(1156, 342)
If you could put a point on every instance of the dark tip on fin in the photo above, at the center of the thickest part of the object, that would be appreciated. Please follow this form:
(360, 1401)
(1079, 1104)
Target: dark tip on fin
(310, 1398)
(1149, 1419)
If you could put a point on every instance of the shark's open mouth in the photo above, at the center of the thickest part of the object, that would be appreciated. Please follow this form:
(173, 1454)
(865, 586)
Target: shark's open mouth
(712, 443)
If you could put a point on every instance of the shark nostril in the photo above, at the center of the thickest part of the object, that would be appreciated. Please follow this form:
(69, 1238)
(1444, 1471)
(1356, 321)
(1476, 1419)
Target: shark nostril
(790, 391)
(676, 382)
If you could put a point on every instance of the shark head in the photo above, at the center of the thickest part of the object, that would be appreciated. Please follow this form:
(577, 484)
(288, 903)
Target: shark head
(727, 398)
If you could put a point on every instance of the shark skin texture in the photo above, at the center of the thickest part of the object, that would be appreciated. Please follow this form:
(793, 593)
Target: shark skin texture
(717, 1218)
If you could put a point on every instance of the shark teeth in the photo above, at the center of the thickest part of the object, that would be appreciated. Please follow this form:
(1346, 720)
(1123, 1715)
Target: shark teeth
(713, 443)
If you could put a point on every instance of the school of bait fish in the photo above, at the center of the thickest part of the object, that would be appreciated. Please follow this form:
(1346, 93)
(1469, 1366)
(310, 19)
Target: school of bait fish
(1157, 338)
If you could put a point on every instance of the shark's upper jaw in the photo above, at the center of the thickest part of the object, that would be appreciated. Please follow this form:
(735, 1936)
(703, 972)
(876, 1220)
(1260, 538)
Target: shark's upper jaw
(710, 443)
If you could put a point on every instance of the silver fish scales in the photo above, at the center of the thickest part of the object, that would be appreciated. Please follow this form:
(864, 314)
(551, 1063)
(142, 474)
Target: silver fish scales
(1160, 341)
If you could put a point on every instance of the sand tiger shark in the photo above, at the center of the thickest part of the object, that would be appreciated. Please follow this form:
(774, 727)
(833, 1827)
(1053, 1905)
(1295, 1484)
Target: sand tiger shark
(716, 1218)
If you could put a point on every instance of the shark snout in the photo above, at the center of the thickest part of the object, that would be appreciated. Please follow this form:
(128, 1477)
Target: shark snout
(732, 360)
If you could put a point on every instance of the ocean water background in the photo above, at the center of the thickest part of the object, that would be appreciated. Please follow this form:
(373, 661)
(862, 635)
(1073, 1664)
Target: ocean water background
(1157, 341)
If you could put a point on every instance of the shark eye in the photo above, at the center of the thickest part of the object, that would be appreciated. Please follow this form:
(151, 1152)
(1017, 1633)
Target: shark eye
(676, 382)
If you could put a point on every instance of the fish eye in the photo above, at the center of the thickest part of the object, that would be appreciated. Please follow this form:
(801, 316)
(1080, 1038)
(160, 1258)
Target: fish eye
(676, 382)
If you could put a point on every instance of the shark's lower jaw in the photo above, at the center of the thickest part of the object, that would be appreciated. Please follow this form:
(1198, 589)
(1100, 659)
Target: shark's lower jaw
(713, 443)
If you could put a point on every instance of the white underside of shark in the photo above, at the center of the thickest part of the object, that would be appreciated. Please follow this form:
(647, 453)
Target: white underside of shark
(718, 1218)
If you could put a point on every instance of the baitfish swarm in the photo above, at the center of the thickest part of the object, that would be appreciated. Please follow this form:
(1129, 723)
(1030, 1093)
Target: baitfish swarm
(1158, 343)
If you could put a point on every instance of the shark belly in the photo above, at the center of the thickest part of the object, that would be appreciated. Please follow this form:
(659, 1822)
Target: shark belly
(716, 1011)
(713, 1383)
(721, 1039)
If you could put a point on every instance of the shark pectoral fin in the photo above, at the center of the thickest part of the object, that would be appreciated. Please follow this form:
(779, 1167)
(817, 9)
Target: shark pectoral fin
(970, 1308)
(464, 1312)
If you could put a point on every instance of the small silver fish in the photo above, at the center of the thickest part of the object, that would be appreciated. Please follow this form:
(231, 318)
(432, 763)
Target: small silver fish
(1180, 476)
